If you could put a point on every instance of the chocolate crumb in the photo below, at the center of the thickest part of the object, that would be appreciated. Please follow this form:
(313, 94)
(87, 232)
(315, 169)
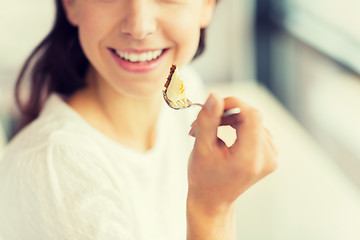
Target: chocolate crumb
(172, 70)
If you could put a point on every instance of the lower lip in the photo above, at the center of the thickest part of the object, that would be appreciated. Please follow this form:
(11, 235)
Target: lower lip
(137, 67)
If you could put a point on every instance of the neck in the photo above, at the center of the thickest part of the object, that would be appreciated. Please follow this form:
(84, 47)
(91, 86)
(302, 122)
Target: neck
(127, 120)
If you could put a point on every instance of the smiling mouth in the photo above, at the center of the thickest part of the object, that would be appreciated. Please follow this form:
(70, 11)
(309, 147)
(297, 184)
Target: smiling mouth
(139, 57)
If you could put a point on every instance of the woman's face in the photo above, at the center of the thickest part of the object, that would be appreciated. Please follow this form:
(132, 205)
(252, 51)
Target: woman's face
(132, 43)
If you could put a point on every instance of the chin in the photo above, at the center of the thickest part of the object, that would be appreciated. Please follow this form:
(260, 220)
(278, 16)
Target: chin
(142, 91)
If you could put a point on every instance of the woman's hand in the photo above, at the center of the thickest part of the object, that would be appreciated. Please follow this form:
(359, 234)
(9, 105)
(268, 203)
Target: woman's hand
(218, 174)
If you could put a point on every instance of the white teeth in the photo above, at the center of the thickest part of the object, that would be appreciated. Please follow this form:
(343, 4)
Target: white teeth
(149, 55)
(142, 57)
(133, 57)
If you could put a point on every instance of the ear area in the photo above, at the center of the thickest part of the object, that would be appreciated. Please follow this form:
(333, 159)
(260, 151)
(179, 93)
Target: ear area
(207, 12)
(70, 8)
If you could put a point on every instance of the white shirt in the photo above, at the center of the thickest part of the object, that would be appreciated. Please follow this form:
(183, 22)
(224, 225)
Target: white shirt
(60, 178)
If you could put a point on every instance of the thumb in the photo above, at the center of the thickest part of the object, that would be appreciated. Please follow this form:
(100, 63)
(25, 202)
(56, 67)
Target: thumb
(208, 121)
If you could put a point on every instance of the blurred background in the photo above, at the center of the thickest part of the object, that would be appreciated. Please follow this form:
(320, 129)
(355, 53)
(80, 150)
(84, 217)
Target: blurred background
(296, 60)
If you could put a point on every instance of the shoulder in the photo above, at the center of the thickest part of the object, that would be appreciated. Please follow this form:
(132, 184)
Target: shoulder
(55, 159)
(58, 125)
(55, 145)
(51, 176)
(62, 192)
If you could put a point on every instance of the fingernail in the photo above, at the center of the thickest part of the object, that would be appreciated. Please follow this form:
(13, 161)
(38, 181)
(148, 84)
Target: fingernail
(192, 132)
(209, 104)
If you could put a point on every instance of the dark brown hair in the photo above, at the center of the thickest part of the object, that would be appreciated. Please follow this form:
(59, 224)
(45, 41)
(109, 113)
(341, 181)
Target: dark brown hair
(57, 64)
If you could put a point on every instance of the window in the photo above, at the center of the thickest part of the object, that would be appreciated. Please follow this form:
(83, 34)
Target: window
(331, 26)
(308, 54)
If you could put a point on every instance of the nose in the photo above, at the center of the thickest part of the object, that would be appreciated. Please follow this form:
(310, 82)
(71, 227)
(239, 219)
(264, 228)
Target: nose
(139, 20)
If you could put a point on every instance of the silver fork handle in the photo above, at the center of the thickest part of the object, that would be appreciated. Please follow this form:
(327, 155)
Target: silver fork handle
(230, 112)
(226, 113)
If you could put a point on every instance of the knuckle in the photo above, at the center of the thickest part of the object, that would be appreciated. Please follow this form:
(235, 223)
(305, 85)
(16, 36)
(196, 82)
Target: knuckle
(256, 168)
(256, 115)
(273, 165)
(251, 169)
(253, 117)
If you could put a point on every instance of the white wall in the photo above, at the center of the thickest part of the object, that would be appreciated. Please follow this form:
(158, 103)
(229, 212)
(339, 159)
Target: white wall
(23, 24)
(228, 55)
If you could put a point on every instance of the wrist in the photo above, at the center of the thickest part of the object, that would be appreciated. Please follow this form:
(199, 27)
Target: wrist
(206, 220)
(209, 207)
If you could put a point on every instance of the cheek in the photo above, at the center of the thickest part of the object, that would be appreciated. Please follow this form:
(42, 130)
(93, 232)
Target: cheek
(88, 44)
(185, 33)
(92, 28)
